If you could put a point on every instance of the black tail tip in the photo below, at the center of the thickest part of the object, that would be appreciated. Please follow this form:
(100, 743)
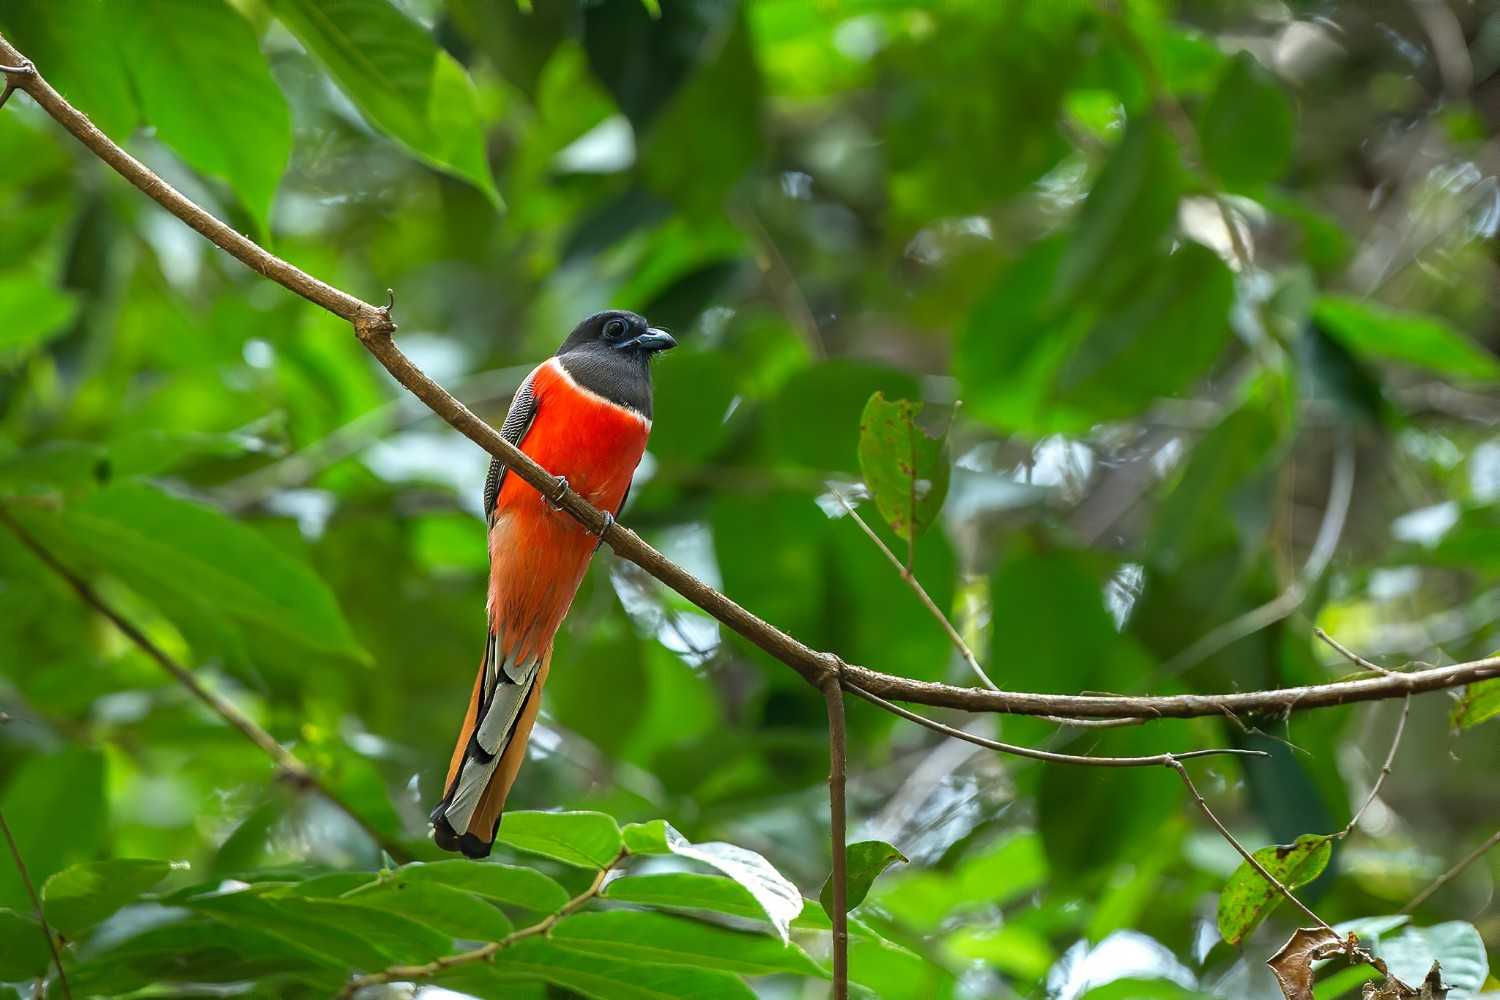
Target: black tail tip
(467, 844)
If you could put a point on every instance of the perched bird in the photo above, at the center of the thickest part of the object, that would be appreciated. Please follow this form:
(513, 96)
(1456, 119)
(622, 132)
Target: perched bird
(583, 415)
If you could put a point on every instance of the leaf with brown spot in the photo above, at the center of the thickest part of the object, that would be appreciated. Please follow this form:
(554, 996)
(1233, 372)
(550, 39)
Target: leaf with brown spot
(1292, 965)
(1248, 897)
(905, 467)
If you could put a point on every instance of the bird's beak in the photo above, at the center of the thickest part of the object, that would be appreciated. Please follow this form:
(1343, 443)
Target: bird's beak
(654, 340)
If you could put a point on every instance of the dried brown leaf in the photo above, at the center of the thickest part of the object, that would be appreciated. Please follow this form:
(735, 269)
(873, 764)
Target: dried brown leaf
(1292, 965)
(1395, 989)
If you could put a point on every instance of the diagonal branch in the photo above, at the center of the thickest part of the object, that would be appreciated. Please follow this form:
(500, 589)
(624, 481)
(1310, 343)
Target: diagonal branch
(374, 327)
(1452, 873)
(297, 772)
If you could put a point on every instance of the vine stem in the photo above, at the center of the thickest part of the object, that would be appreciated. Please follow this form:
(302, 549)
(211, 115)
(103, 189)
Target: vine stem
(487, 952)
(36, 905)
(286, 762)
(833, 694)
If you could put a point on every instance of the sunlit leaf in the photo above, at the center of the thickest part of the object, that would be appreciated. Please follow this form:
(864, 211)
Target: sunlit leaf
(77, 898)
(523, 887)
(1247, 897)
(584, 839)
(1374, 331)
(1480, 703)
(202, 82)
(433, 904)
(399, 79)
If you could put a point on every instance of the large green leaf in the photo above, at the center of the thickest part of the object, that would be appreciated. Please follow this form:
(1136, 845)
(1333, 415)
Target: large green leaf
(25, 954)
(1125, 216)
(79, 897)
(204, 86)
(687, 891)
(432, 904)
(778, 898)
(659, 939)
(905, 467)
(362, 937)
(1246, 128)
(399, 79)
(1247, 897)
(35, 312)
(1382, 334)
(55, 807)
(594, 976)
(1456, 946)
(584, 839)
(216, 578)
(522, 887)
(77, 49)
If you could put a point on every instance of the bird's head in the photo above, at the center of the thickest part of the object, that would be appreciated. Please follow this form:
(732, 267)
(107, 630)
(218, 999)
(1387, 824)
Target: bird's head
(618, 330)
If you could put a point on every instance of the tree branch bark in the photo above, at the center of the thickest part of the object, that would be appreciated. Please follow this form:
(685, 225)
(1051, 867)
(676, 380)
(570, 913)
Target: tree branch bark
(374, 327)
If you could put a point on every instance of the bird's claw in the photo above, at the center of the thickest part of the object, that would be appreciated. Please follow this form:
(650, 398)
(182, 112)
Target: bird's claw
(555, 502)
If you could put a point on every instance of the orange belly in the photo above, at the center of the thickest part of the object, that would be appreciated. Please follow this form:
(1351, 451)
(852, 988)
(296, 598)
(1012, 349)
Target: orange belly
(538, 555)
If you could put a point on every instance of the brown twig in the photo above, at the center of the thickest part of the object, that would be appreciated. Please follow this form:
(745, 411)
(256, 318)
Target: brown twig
(36, 903)
(1048, 756)
(1452, 873)
(287, 763)
(487, 952)
(838, 755)
(1353, 657)
(1260, 869)
(1385, 771)
(374, 327)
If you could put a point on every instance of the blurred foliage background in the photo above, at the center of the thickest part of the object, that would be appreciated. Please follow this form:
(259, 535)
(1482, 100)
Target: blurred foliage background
(1201, 294)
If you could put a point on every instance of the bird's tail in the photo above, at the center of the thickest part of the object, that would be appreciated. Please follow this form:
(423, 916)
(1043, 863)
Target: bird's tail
(491, 747)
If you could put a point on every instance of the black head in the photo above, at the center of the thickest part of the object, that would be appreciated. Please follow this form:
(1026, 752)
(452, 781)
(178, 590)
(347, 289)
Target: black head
(610, 353)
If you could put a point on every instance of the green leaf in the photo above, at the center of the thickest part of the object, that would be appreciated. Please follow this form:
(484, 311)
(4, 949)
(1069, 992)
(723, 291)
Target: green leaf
(79, 54)
(584, 839)
(221, 582)
(780, 900)
(1143, 989)
(55, 807)
(1167, 332)
(905, 467)
(399, 79)
(204, 86)
(687, 891)
(432, 904)
(1247, 126)
(1247, 897)
(814, 420)
(72, 465)
(522, 887)
(864, 862)
(1480, 703)
(1376, 332)
(35, 312)
(655, 938)
(25, 954)
(1015, 949)
(1456, 945)
(358, 936)
(594, 976)
(1129, 209)
(79, 897)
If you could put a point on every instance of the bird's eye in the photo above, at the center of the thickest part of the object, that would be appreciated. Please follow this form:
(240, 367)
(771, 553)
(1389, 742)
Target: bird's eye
(614, 329)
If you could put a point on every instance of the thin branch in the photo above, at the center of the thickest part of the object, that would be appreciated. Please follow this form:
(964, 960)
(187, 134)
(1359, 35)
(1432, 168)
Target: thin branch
(910, 579)
(36, 904)
(1385, 771)
(289, 765)
(1452, 873)
(374, 327)
(487, 952)
(838, 823)
(1048, 756)
(1260, 869)
(1340, 493)
(1353, 657)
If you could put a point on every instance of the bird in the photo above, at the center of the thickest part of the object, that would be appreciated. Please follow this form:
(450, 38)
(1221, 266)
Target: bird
(584, 415)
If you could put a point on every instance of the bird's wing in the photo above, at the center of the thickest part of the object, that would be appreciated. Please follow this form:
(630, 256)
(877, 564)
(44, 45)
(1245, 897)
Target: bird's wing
(517, 422)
